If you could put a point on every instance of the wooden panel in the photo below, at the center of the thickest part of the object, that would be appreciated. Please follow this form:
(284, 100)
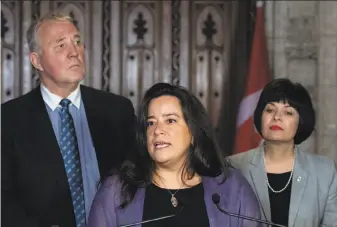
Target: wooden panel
(96, 51)
(8, 70)
(140, 48)
(10, 58)
(27, 72)
(184, 63)
(132, 45)
(116, 56)
(208, 59)
(131, 77)
(166, 42)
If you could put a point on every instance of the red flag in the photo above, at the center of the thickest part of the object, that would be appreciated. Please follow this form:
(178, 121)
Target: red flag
(246, 135)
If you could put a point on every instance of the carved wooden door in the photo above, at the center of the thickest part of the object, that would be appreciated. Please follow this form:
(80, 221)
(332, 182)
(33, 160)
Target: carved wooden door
(130, 45)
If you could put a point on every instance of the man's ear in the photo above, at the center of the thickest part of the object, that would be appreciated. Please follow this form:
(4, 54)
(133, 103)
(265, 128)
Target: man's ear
(35, 60)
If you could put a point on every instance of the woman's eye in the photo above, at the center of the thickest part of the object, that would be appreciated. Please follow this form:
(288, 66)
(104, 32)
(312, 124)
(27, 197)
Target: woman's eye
(171, 121)
(149, 123)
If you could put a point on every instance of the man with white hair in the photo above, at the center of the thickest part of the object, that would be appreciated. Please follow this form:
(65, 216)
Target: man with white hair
(62, 137)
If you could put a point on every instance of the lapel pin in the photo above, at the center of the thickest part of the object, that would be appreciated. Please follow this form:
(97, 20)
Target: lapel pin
(299, 179)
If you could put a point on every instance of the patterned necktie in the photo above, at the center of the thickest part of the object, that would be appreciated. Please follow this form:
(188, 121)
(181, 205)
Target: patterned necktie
(71, 158)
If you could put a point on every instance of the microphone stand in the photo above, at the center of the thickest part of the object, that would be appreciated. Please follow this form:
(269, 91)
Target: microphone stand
(152, 220)
(216, 201)
(147, 221)
(248, 218)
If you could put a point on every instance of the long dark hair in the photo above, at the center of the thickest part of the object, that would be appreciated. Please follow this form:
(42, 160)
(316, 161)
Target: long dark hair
(204, 156)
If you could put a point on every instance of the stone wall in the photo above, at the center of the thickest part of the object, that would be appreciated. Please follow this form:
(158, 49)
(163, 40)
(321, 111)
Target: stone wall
(302, 40)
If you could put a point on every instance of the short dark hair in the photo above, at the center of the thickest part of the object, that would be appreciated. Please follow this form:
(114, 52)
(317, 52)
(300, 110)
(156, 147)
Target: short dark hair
(205, 157)
(284, 90)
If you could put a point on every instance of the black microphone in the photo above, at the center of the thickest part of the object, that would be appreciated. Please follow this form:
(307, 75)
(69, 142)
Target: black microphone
(216, 201)
(155, 219)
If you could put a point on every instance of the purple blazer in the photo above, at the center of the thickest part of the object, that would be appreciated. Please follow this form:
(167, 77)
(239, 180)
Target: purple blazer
(236, 195)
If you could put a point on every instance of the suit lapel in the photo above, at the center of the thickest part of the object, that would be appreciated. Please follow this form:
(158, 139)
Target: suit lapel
(213, 185)
(91, 113)
(299, 184)
(45, 145)
(258, 177)
(132, 213)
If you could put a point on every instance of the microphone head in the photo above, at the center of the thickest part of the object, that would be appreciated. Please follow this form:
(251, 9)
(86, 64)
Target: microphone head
(216, 198)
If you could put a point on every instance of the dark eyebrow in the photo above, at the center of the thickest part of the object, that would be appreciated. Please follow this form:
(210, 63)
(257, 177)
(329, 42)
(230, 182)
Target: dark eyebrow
(165, 115)
(171, 114)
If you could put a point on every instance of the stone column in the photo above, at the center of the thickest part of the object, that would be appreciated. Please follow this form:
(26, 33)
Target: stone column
(302, 42)
(327, 79)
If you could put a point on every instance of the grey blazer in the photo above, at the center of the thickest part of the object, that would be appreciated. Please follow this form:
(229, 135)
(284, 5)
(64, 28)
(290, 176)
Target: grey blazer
(313, 199)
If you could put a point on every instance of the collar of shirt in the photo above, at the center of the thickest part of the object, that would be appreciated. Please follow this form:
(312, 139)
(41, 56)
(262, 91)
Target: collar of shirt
(53, 101)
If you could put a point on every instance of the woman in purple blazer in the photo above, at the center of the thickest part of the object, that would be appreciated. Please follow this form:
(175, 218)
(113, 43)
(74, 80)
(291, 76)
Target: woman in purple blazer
(178, 173)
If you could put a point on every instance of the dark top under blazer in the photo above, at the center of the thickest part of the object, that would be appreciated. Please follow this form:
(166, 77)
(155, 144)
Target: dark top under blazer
(34, 185)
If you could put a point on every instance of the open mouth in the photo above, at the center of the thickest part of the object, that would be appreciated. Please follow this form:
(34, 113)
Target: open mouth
(161, 144)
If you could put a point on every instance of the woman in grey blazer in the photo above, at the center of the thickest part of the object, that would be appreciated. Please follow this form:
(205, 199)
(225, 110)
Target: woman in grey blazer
(294, 188)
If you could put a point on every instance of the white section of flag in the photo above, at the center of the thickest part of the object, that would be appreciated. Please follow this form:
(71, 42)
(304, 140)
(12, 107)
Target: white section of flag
(259, 3)
(247, 107)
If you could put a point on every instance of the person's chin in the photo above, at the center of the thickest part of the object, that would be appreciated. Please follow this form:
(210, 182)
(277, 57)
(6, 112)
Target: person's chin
(162, 160)
(278, 139)
(77, 70)
(276, 135)
(76, 77)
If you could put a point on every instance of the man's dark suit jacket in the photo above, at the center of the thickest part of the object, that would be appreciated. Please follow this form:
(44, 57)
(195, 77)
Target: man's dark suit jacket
(34, 186)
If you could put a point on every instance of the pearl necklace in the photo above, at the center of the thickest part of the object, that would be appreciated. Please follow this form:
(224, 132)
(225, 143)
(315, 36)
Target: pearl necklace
(290, 177)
